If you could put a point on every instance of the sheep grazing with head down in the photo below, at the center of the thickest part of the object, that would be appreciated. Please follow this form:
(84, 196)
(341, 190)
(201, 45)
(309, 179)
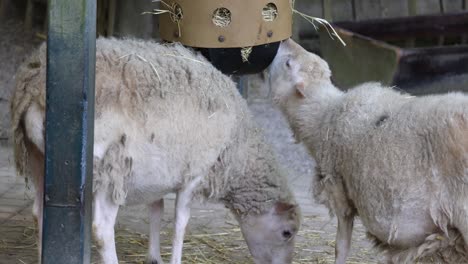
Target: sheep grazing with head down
(398, 162)
(166, 122)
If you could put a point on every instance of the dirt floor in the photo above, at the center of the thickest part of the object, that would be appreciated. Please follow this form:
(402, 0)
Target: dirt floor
(213, 235)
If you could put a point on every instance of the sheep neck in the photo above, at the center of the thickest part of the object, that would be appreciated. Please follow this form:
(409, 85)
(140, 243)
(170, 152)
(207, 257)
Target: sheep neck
(307, 116)
(254, 183)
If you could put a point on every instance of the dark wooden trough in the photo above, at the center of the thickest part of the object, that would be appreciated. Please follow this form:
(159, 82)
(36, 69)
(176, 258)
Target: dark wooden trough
(399, 51)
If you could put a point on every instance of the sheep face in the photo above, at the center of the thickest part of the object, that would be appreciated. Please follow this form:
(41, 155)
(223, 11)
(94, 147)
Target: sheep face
(271, 236)
(294, 70)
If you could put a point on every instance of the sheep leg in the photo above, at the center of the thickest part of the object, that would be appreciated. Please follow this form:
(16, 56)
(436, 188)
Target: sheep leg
(104, 216)
(343, 238)
(182, 215)
(37, 174)
(38, 206)
(37, 212)
(156, 212)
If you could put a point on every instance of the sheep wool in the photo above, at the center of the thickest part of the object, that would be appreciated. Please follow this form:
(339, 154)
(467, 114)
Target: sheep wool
(397, 161)
(165, 121)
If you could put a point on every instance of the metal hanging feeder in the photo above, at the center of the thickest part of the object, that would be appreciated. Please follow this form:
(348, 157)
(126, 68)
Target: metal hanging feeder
(238, 37)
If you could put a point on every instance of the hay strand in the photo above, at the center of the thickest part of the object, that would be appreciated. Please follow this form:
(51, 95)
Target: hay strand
(183, 57)
(331, 31)
(202, 245)
(144, 60)
(174, 11)
(152, 66)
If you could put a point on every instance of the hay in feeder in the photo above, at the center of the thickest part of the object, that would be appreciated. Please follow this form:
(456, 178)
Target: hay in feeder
(270, 12)
(222, 17)
(176, 14)
(245, 53)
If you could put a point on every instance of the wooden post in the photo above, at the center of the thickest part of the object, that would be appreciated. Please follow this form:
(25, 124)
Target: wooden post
(243, 86)
(3, 4)
(327, 10)
(465, 36)
(242, 82)
(441, 38)
(111, 18)
(101, 17)
(412, 11)
(295, 25)
(28, 16)
(71, 45)
(412, 7)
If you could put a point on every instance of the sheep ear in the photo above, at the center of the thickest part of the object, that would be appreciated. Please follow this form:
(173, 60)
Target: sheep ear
(299, 87)
(283, 208)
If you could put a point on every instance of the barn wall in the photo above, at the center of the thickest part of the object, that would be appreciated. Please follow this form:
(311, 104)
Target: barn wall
(124, 18)
(355, 10)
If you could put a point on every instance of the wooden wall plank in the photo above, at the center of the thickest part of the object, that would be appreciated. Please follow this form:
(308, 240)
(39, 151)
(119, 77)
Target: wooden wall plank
(3, 7)
(28, 20)
(450, 6)
(101, 17)
(111, 17)
(367, 9)
(130, 22)
(394, 8)
(308, 7)
(342, 10)
(327, 9)
(424, 7)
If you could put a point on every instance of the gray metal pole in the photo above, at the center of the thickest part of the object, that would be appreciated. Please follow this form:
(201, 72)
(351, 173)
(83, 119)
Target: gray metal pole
(242, 82)
(71, 44)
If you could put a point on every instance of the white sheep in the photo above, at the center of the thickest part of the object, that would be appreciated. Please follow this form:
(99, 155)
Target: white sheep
(165, 121)
(398, 162)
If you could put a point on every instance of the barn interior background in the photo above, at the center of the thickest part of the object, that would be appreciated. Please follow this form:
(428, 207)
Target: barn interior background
(122, 18)
(22, 27)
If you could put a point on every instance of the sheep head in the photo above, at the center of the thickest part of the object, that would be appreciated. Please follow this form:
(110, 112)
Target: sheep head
(295, 73)
(270, 236)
